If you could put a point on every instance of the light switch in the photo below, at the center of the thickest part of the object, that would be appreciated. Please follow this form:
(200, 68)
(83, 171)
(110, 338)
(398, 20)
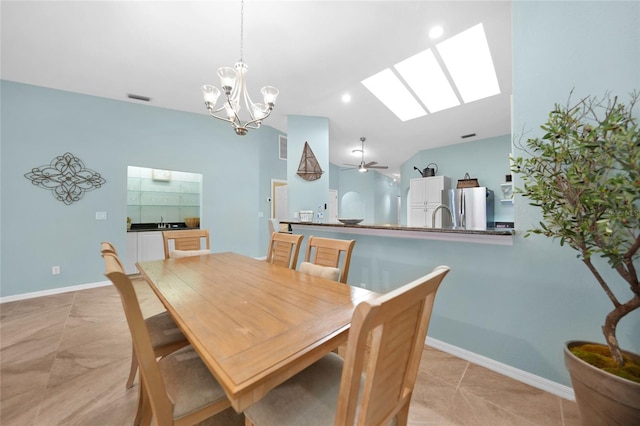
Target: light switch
(101, 215)
(260, 214)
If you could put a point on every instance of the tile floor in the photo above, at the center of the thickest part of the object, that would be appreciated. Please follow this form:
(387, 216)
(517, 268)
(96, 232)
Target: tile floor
(65, 359)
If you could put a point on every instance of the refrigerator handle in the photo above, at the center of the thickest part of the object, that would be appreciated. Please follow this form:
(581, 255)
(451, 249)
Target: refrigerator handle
(462, 210)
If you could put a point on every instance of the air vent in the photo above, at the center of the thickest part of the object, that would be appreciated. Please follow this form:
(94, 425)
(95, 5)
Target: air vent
(283, 147)
(138, 97)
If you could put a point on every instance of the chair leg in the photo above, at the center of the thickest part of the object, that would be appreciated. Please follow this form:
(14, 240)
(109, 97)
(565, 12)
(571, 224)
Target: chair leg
(144, 414)
(138, 419)
(402, 418)
(134, 369)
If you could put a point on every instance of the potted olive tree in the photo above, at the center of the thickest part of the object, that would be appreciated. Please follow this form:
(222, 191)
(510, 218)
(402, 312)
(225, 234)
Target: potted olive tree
(584, 175)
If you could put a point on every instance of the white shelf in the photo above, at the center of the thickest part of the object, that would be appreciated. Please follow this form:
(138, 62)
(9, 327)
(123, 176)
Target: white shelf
(507, 192)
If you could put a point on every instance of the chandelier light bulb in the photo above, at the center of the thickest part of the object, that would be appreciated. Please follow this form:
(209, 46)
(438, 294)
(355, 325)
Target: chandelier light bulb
(211, 94)
(227, 79)
(270, 94)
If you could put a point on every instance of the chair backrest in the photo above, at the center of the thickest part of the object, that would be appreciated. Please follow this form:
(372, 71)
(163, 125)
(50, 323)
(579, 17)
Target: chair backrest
(161, 405)
(107, 247)
(284, 249)
(327, 251)
(185, 240)
(398, 323)
(274, 225)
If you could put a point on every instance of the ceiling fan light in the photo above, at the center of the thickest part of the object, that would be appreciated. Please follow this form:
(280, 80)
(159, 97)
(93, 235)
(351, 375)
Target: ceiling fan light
(362, 169)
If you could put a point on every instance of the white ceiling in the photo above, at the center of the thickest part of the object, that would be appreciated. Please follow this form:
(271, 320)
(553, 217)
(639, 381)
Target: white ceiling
(312, 51)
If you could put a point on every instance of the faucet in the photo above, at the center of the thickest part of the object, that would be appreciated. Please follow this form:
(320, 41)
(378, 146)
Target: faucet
(161, 225)
(433, 215)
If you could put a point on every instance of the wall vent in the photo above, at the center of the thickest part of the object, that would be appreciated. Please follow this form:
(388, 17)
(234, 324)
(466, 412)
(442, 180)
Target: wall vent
(282, 151)
(138, 97)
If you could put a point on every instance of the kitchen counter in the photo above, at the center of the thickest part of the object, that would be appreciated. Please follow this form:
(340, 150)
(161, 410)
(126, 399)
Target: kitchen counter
(490, 236)
(146, 227)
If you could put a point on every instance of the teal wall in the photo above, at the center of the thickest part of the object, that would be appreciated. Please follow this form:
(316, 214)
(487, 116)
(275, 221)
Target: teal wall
(39, 232)
(303, 194)
(377, 191)
(484, 159)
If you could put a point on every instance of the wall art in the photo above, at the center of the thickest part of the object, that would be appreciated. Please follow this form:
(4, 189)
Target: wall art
(66, 177)
(309, 168)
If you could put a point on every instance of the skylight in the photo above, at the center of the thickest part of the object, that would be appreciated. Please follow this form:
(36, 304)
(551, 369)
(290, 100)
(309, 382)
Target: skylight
(468, 60)
(388, 88)
(467, 65)
(427, 80)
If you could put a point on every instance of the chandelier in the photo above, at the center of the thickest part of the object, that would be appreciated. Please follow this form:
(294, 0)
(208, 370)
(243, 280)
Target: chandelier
(234, 86)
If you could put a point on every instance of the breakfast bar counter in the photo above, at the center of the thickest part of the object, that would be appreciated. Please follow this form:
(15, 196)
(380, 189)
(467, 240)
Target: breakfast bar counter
(495, 236)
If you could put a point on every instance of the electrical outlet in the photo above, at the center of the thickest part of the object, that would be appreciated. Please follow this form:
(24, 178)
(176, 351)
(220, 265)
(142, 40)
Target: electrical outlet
(55, 270)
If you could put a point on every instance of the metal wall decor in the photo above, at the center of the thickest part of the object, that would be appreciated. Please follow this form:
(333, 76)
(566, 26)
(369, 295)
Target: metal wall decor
(309, 168)
(66, 177)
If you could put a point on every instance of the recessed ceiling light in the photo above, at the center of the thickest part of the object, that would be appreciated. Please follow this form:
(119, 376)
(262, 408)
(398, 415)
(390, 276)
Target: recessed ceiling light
(468, 60)
(427, 80)
(346, 98)
(388, 88)
(436, 32)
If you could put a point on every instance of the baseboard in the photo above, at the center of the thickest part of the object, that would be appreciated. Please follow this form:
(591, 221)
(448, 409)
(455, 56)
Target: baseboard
(60, 290)
(538, 382)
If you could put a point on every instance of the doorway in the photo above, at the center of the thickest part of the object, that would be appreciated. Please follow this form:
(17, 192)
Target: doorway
(279, 199)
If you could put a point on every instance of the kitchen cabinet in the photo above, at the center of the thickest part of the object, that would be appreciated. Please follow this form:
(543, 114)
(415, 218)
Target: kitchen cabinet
(142, 246)
(132, 253)
(425, 195)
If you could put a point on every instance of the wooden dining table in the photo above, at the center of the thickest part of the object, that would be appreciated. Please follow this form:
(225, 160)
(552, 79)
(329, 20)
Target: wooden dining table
(254, 324)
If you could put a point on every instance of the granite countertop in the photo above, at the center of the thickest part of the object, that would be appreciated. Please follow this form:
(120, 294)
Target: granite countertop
(146, 227)
(493, 231)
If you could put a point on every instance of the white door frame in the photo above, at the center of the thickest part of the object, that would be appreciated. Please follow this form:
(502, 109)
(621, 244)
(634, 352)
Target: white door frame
(274, 183)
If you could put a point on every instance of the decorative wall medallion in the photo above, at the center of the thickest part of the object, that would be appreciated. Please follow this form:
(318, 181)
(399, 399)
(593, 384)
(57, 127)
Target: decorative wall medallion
(66, 177)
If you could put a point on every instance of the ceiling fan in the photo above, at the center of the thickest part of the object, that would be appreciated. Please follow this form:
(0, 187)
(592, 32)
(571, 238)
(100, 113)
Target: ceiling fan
(364, 167)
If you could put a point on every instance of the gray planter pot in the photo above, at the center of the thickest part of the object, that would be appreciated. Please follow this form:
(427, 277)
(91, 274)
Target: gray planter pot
(602, 398)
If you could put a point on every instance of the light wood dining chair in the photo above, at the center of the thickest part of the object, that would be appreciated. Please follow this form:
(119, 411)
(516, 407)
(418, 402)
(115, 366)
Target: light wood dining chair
(186, 242)
(165, 335)
(284, 249)
(322, 258)
(364, 390)
(178, 389)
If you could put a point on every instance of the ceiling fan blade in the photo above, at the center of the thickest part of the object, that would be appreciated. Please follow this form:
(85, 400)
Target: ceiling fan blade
(371, 163)
(351, 165)
(378, 167)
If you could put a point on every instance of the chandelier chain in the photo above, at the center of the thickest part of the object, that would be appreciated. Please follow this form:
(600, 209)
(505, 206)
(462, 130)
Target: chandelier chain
(241, 29)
